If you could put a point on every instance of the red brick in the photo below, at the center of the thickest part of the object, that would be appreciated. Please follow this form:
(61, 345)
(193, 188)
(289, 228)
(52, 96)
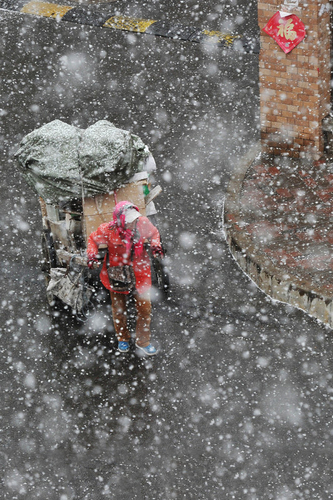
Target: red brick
(284, 192)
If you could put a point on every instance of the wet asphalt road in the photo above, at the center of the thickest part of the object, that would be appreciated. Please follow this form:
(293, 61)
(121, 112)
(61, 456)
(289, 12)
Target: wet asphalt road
(238, 402)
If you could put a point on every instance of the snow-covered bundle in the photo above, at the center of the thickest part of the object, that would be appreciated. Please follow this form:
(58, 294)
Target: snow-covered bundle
(61, 161)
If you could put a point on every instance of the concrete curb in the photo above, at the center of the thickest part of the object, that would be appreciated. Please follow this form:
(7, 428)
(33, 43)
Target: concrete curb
(104, 16)
(270, 279)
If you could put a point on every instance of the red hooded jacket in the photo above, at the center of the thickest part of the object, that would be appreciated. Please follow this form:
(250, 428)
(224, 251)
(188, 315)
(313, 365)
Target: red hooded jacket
(108, 234)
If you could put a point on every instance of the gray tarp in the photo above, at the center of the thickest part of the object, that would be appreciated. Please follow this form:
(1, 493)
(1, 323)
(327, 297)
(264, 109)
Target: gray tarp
(59, 160)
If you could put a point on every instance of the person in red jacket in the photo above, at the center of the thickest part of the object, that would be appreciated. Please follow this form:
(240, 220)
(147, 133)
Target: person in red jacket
(126, 237)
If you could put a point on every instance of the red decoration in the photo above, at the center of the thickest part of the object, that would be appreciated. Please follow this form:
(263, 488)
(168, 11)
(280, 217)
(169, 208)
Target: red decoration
(288, 31)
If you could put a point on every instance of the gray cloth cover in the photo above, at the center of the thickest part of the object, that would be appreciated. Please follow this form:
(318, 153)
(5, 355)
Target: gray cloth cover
(59, 160)
(109, 157)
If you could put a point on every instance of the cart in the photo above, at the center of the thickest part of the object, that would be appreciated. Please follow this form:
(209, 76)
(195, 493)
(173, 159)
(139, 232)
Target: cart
(73, 206)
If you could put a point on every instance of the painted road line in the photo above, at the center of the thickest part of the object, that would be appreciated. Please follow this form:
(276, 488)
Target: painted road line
(128, 24)
(100, 15)
(45, 9)
(218, 37)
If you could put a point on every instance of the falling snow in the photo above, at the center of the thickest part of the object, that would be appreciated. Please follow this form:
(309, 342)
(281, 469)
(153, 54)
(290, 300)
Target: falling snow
(238, 403)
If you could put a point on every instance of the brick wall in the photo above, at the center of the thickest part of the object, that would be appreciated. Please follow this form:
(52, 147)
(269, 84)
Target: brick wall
(295, 87)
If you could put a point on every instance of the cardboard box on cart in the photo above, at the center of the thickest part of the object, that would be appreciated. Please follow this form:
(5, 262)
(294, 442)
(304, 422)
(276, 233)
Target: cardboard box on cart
(99, 209)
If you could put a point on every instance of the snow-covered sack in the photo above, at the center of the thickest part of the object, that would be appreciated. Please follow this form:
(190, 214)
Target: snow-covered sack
(109, 156)
(48, 157)
(61, 161)
(69, 288)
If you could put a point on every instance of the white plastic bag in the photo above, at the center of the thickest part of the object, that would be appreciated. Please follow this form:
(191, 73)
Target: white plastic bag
(70, 288)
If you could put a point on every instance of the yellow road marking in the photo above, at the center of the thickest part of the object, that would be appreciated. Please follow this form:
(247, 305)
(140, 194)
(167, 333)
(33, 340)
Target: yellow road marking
(52, 10)
(218, 36)
(45, 9)
(128, 24)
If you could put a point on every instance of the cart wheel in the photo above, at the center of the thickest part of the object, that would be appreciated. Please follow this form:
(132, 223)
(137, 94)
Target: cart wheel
(161, 280)
(49, 260)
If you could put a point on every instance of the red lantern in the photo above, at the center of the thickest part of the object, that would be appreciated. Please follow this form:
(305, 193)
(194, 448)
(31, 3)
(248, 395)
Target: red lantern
(287, 30)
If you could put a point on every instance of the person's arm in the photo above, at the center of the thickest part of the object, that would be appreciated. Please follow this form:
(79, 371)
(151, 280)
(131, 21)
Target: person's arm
(98, 237)
(151, 233)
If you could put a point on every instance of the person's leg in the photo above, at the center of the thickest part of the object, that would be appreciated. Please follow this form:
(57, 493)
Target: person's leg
(142, 330)
(119, 314)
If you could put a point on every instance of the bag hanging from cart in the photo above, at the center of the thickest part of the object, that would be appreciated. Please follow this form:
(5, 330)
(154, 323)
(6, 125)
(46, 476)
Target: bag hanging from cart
(70, 287)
